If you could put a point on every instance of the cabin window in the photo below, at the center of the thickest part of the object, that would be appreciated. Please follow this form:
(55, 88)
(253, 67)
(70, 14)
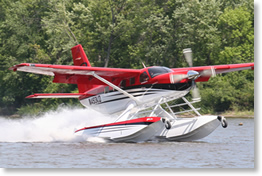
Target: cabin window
(123, 83)
(144, 77)
(132, 81)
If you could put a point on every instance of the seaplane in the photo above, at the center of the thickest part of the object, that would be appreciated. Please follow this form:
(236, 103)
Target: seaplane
(140, 99)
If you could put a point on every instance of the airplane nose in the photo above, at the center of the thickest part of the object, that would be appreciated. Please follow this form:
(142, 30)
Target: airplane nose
(191, 74)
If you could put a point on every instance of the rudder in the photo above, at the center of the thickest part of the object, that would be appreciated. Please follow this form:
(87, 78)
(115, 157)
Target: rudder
(79, 56)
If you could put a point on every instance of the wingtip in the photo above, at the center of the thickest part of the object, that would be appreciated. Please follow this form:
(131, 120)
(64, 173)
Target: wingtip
(15, 67)
(30, 96)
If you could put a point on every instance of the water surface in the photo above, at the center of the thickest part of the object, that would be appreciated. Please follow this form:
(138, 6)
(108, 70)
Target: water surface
(23, 144)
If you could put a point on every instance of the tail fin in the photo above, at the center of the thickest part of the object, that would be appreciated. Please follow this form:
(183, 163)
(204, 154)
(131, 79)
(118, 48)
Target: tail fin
(80, 59)
(79, 56)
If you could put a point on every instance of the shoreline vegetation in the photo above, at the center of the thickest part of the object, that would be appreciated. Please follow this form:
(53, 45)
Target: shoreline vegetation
(231, 114)
(239, 114)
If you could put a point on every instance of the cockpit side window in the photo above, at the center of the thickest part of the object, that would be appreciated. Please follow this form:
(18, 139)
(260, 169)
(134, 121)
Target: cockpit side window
(144, 77)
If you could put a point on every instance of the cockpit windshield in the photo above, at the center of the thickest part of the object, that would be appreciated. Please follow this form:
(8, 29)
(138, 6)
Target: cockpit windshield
(155, 71)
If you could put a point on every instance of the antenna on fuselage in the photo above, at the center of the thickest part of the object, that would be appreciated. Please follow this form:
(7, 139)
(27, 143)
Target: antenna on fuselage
(143, 65)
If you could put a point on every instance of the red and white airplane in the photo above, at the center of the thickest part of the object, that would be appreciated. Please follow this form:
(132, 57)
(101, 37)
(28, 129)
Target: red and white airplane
(131, 91)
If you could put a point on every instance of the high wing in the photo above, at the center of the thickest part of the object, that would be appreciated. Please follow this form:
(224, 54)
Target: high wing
(51, 70)
(74, 74)
(55, 95)
(78, 75)
(215, 69)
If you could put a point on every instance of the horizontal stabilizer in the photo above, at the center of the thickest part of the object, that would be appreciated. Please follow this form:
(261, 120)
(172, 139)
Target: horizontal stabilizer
(55, 95)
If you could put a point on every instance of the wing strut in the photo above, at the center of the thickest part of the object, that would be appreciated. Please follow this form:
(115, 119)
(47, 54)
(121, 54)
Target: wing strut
(114, 86)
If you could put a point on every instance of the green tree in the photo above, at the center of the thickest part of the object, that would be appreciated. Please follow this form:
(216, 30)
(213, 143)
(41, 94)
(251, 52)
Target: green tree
(237, 35)
(21, 36)
(195, 26)
(237, 46)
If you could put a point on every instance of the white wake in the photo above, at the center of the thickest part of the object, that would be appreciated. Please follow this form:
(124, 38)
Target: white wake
(53, 126)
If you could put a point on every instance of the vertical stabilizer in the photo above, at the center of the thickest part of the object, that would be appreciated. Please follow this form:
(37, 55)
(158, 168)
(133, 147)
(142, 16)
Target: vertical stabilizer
(80, 59)
(79, 56)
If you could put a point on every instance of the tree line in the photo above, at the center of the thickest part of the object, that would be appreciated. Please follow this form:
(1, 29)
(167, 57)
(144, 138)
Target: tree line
(124, 34)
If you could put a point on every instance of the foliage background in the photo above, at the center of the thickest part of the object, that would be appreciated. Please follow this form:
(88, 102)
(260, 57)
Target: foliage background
(122, 34)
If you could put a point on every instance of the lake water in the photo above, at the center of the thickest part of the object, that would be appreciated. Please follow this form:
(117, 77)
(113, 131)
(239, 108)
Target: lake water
(48, 142)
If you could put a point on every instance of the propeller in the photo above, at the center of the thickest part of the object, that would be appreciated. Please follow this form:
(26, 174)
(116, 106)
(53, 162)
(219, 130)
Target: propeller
(193, 75)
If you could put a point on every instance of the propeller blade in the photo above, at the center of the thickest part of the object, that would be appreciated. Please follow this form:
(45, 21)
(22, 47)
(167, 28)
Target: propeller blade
(188, 55)
(195, 92)
(208, 73)
(177, 78)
